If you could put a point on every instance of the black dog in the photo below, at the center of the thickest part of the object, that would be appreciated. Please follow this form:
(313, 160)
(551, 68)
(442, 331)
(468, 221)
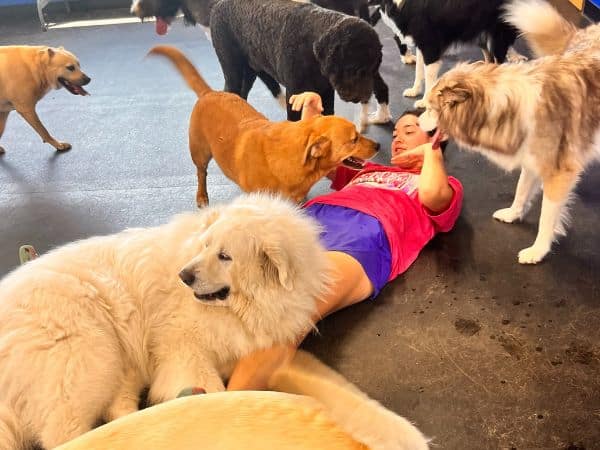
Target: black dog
(435, 25)
(301, 46)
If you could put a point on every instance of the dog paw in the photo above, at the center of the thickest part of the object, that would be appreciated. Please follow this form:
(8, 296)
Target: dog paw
(532, 255)
(513, 56)
(381, 116)
(63, 146)
(420, 103)
(411, 92)
(408, 59)
(507, 215)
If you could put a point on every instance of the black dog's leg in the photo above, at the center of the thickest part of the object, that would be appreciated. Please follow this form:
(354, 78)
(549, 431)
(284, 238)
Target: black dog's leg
(328, 100)
(375, 17)
(272, 85)
(382, 94)
(363, 11)
(502, 37)
(247, 82)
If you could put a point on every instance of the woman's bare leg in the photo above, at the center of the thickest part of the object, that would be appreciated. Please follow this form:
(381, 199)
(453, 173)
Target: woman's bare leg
(350, 285)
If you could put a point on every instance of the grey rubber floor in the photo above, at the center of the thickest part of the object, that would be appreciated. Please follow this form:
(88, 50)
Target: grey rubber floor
(479, 351)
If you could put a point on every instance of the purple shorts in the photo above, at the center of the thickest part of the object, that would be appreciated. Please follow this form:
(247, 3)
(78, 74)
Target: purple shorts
(357, 234)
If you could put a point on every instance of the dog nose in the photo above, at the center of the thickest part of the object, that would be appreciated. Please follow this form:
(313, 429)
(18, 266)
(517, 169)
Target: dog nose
(187, 277)
(377, 146)
(85, 80)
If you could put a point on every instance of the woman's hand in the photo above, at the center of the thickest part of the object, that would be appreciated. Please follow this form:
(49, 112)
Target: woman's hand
(308, 102)
(408, 159)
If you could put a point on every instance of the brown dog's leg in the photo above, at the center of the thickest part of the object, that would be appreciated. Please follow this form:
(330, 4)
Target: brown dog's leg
(3, 118)
(201, 156)
(32, 119)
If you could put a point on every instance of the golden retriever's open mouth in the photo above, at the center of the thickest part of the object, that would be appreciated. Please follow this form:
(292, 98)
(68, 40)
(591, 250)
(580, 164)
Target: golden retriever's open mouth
(353, 162)
(72, 88)
(221, 294)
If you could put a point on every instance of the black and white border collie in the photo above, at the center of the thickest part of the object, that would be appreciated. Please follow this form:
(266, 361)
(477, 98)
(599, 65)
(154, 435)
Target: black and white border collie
(436, 25)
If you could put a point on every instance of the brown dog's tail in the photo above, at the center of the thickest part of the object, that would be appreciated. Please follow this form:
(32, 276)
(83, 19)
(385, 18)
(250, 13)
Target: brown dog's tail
(542, 26)
(185, 67)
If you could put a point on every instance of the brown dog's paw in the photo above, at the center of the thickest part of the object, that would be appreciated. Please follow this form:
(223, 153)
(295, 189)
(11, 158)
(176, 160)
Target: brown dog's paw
(202, 201)
(63, 147)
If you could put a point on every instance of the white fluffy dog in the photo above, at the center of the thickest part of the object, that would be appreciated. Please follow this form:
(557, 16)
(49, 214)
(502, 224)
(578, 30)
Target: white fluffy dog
(86, 327)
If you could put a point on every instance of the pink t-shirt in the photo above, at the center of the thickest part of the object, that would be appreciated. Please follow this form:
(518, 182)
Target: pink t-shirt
(391, 195)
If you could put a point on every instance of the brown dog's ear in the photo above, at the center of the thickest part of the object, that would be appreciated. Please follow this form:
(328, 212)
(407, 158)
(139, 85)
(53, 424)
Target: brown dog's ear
(277, 266)
(51, 52)
(451, 95)
(317, 148)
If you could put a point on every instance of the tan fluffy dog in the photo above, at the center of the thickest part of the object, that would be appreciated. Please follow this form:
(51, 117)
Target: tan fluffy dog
(329, 414)
(259, 155)
(541, 116)
(28, 73)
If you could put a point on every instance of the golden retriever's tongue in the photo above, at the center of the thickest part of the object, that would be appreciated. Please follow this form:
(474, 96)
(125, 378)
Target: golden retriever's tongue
(162, 26)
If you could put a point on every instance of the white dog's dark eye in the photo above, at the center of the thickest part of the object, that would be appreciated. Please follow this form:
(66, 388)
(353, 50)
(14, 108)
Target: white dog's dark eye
(224, 256)
(71, 68)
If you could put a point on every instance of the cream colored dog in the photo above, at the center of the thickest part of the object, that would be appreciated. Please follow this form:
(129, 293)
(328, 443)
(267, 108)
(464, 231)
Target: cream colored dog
(84, 328)
(542, 116)
(329, 414)
(27, 73)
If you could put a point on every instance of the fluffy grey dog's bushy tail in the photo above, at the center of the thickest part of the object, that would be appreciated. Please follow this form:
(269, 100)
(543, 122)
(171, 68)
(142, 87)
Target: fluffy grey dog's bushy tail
(185, 67)
(12, 434)
(542, 26)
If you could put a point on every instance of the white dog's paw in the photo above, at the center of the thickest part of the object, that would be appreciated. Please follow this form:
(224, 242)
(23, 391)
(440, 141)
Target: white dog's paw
(513, 56)
(420, 103)
(507, 215)
(532, 255)
(411, 92)
(408, 59)
(381, 116)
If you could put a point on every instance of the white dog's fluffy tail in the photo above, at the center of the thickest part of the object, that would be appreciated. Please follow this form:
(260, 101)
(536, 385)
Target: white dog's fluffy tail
(12, 434)
(361, 417)
(544, 29)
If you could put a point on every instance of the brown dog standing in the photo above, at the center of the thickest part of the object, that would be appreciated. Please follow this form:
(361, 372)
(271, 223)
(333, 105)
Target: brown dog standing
(27, 73)
(259, 155)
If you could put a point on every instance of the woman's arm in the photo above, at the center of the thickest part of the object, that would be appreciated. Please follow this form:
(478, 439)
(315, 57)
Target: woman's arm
(434, 191)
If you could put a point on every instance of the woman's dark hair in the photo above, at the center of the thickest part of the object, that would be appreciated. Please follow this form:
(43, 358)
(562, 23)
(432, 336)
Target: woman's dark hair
(417, 112)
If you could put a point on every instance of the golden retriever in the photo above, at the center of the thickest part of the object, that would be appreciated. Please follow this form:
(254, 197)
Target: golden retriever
(84, 328)
(259, 155)
(541, 116)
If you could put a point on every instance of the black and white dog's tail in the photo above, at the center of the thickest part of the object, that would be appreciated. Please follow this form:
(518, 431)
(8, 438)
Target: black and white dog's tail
(544, 29)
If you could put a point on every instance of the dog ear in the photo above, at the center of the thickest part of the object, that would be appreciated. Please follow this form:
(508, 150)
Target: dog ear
(49, 50)
(277, 266)
(451, 95)
(317, 148)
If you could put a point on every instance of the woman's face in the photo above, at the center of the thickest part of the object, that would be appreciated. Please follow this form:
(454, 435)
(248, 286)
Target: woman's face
(408, 135)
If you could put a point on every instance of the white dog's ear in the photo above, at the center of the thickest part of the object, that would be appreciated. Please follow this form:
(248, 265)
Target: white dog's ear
(209, 216)
(317, 148)
(451, 95)
(277, 266)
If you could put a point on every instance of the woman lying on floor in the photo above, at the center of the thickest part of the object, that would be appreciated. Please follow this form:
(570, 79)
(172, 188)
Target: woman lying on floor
(375, 224)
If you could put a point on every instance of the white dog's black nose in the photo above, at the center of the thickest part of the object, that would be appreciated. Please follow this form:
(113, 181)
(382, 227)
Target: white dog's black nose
(187, 277)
